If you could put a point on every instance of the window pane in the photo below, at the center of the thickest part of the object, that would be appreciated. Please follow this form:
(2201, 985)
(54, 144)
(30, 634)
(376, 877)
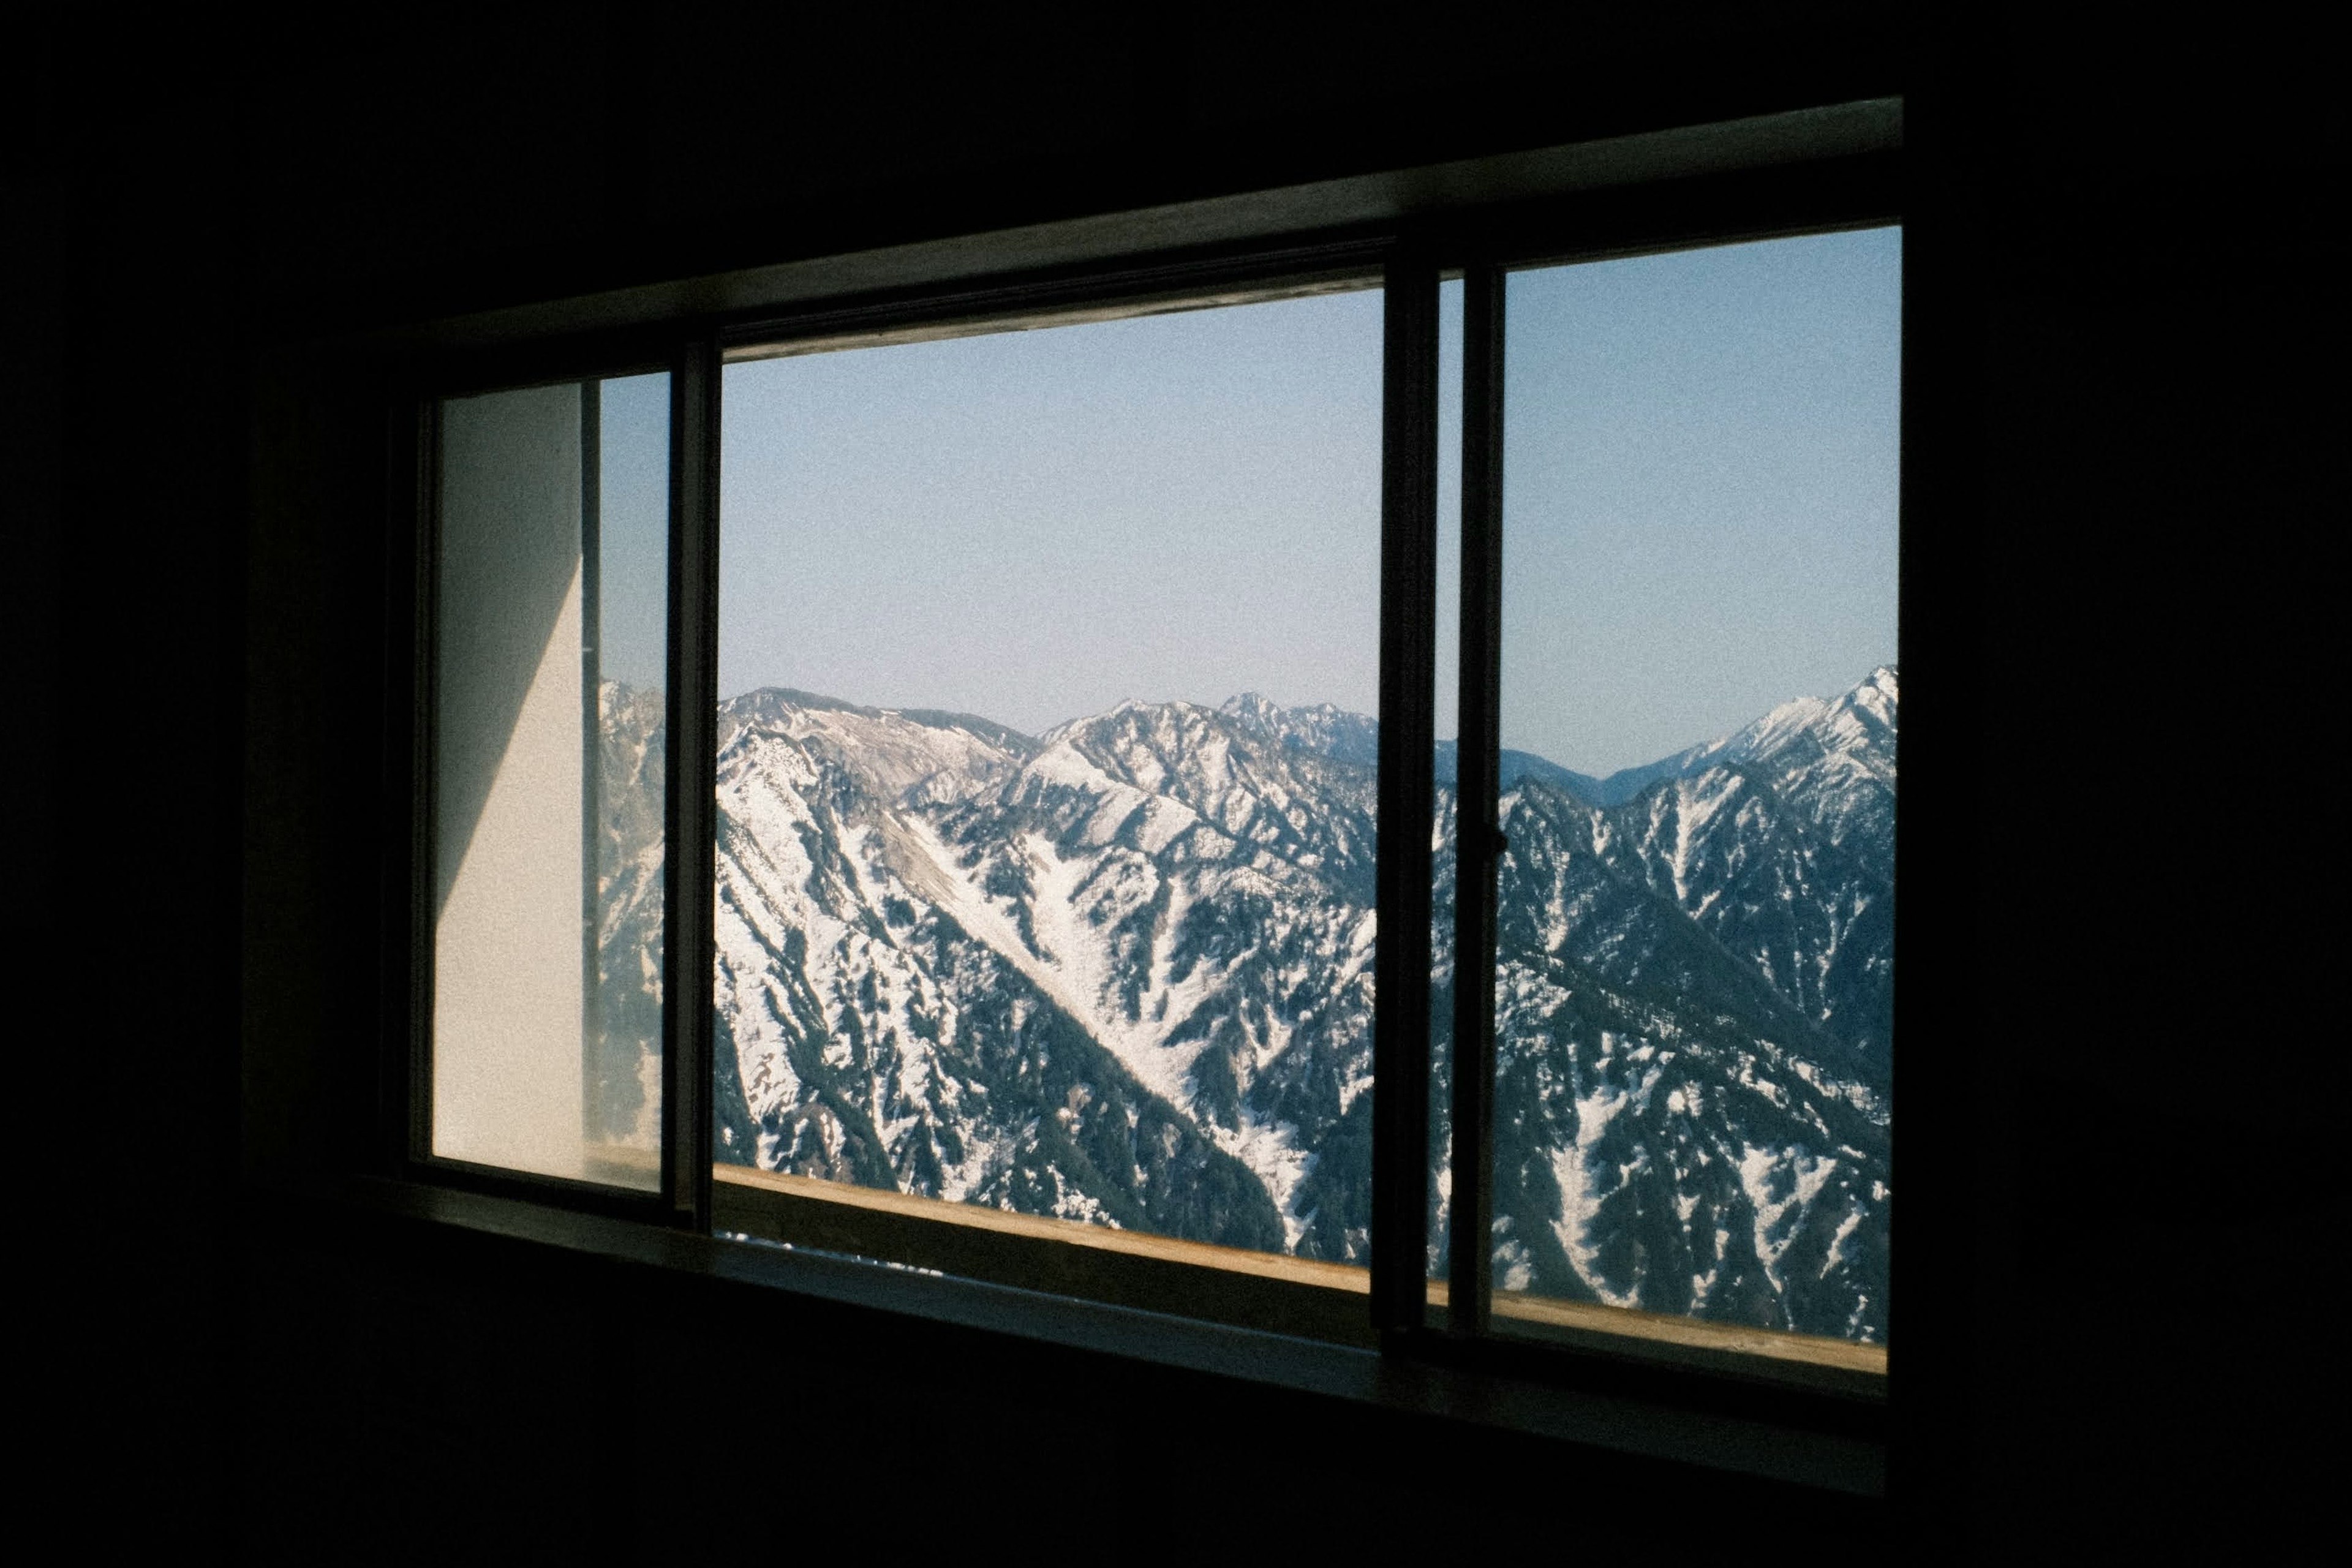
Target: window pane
(1047, 772)
(1695, 957)
(547, 815)
(631, 651)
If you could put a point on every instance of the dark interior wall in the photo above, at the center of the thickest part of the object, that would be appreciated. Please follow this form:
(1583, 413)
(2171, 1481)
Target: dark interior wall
(412, 1390)
(2162, 291)
(2134, 287)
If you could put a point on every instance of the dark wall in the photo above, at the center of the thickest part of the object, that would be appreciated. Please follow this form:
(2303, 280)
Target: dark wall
(2122, 288)
(2161, 292)
(463, 1397)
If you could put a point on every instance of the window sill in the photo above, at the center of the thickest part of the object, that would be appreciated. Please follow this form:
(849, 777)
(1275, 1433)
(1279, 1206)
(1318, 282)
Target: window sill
(1767, 1433)
(1289, 1296)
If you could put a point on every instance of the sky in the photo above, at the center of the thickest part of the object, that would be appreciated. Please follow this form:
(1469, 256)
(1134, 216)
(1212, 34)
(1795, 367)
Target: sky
(1035, 526)
(1699, 490)
(632, 529)
(1699, 505)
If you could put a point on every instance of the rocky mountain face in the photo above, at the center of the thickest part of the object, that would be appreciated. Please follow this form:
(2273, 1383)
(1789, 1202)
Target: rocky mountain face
(1693, 1000)
(624, 1068)
(1121, 972)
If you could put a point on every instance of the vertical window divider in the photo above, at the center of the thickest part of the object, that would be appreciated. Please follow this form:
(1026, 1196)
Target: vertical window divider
(1478, 837)
(422, 546)
(690, 765)
(1400, 1057)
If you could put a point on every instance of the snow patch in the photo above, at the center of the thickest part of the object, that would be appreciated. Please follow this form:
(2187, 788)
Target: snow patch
(1579, 1199)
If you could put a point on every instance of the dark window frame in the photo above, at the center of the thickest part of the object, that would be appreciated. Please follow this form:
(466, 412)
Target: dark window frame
(1761, 194)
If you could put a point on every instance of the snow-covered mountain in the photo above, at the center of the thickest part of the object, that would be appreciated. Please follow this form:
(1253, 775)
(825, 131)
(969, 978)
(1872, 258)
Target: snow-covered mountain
(624, 1101)
(1123, 973)
(1120, 974)
(1693, 1011)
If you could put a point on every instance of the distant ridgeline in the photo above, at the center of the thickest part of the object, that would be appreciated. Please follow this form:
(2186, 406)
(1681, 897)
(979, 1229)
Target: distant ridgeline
(1123, 973)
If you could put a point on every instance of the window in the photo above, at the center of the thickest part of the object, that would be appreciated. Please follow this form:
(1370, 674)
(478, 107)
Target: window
(549, 610)
(974, 864)
(1686, 1079)
(1047, 772)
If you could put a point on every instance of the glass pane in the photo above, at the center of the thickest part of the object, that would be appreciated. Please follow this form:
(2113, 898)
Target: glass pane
(1695, 956)
(548, 839)
(1046, 770)
(631, 649)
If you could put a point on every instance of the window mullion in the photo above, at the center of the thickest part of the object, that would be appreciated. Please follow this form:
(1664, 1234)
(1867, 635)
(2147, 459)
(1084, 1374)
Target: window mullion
(418, 545)
(1478, 839)
(1401, 1065)
(691, 764)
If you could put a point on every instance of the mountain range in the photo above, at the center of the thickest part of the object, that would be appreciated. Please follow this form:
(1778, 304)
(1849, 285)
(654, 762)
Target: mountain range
(1123, 973)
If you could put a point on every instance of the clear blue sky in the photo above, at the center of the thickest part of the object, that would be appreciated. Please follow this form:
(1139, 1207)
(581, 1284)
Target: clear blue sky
(633, 518)
(1699, 490)
(1031, 526)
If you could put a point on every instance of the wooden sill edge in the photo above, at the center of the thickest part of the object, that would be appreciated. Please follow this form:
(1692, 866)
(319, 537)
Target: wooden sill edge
(1517, 1309)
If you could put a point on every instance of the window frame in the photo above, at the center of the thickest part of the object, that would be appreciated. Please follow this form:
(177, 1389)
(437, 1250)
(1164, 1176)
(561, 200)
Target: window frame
(1749, 181)
(406, 1089)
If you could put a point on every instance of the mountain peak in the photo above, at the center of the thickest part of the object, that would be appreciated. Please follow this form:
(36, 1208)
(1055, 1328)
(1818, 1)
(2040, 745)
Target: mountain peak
(1250, 705)
(1323, 728)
